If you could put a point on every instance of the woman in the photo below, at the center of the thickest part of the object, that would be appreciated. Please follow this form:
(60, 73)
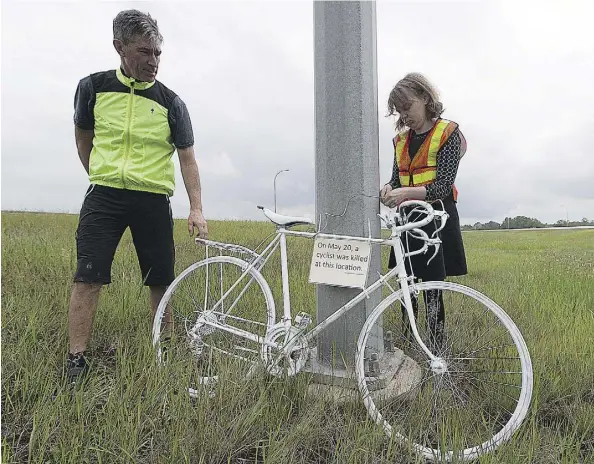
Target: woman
(427, 151)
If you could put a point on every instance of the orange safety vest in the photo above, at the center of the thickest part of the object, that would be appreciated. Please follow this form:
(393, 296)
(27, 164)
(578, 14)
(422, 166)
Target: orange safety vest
(423, 169)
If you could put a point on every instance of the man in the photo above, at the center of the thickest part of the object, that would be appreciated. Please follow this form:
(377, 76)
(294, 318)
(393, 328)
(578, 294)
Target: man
(127, 126)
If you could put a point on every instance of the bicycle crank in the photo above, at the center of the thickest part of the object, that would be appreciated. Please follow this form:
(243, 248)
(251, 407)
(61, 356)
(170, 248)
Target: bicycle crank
(285, 351)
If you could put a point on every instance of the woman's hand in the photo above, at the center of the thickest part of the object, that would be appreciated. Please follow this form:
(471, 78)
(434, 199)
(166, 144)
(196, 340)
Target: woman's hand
(396, 196)
(384, 191)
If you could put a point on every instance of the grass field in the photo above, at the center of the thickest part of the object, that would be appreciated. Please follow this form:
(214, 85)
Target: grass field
(130, 411)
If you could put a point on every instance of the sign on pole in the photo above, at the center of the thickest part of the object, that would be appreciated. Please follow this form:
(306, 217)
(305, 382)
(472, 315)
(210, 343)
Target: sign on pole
(340, 262)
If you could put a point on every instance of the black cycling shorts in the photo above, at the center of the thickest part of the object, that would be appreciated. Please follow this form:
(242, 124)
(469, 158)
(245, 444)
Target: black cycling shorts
(104, 216)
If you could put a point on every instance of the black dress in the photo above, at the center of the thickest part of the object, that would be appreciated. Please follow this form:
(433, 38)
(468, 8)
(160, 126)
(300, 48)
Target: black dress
(451, 259)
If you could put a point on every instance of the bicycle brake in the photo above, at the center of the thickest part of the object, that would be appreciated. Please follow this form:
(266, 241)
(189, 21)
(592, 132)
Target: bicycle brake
(443, 217)
(434, 254)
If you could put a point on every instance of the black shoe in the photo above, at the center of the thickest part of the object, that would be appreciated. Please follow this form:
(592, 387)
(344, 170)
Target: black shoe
(76, 367)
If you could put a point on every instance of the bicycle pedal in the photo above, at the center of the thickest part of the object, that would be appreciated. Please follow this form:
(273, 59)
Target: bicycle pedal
(302, 320)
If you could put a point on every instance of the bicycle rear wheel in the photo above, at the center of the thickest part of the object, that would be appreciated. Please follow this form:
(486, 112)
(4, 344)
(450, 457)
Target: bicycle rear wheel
(194, 321)
(460, 408)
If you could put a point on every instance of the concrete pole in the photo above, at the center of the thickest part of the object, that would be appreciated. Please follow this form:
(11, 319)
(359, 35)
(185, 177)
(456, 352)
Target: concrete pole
(347, 156)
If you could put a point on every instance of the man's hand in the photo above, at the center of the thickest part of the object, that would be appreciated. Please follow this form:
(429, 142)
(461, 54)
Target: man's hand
(384, 191)
(196, 221)
(84, 145)
(189, 169)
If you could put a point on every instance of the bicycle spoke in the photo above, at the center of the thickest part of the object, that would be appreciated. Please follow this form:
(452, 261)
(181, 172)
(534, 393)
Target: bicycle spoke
(238, 303)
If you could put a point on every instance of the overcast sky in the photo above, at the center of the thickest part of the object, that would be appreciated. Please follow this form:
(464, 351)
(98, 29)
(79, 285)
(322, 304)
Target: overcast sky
(517, 76)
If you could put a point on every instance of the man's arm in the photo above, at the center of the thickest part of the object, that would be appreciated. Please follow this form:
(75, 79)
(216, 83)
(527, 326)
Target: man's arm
(191, 176)
(84, 145)
(183, 138)
(84, 120)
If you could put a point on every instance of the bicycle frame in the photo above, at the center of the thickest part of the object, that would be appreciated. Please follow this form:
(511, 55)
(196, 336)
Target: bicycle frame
(280, 240)
(399, 271)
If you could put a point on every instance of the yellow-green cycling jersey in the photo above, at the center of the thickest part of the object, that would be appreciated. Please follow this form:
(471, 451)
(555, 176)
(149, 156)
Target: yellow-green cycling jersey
(138, 125)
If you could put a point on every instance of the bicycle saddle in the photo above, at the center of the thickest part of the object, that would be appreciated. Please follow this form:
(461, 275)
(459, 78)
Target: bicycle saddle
(286, 221)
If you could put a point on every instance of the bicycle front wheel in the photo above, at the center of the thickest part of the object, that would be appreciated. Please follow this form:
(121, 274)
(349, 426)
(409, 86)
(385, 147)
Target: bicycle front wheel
(205, 314)
(468, 402)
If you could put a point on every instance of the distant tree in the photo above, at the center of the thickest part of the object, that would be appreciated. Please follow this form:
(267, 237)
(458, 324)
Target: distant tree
(491, 225)
(524, 222)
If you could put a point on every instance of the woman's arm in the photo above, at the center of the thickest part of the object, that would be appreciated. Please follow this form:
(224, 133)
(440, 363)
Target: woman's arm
(395, 180)
(392, 185)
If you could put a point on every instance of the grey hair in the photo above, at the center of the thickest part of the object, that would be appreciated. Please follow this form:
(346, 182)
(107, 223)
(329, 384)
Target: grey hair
(129, 23)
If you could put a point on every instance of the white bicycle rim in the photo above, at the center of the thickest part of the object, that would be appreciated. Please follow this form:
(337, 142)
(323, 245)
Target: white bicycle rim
(243, 265)
(524, 399)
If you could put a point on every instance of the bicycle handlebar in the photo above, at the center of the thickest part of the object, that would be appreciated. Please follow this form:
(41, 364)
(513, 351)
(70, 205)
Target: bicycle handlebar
(426, 208)
(414, 228)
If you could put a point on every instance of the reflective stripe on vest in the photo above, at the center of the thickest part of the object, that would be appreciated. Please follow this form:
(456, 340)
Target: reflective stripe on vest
(423, 169)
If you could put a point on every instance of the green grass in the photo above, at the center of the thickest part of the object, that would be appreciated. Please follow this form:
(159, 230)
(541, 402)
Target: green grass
(130, 411)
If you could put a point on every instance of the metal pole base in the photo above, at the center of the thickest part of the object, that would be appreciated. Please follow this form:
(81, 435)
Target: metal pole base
(398, 374)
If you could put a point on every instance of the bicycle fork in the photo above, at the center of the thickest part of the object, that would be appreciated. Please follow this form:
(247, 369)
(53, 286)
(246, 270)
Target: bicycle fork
(437, 364)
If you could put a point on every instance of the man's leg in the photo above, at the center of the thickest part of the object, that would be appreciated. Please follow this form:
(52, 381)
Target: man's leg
(151, 226)
(157, 292)
(81, 313)
(101, 224)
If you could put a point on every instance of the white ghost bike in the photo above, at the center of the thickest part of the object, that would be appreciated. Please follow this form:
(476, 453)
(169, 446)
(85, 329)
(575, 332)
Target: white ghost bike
(464, 393)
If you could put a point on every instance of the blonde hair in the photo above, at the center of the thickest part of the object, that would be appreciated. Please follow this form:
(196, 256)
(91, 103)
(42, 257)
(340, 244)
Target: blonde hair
(414, 85)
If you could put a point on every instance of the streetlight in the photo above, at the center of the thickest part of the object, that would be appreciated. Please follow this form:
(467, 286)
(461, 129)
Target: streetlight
(566, 214)
(282, 170)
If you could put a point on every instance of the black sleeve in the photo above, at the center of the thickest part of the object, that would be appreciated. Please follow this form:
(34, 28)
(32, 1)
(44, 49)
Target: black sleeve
(180, 124)
(448, 159)
(395, 180)
(84, 103)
